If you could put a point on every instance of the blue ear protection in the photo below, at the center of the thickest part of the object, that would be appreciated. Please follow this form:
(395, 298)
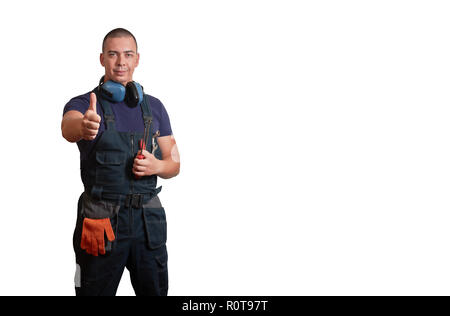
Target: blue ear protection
(133, 93)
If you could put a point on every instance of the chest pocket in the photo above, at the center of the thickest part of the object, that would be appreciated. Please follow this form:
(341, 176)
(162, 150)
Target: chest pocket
(110, 167)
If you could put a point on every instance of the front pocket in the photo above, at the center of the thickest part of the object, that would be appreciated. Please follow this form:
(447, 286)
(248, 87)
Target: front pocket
(99, 209)
(110, 168)
(155, 226)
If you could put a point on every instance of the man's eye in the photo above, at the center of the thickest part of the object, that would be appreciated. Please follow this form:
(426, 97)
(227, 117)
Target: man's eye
(129, 55)
(111, 54)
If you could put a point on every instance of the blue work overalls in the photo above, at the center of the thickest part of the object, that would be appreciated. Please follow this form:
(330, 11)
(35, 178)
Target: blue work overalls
(133, 207)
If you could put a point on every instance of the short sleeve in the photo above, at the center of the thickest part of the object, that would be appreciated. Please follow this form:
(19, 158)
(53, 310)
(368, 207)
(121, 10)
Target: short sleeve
(164, 126)
(79, 103)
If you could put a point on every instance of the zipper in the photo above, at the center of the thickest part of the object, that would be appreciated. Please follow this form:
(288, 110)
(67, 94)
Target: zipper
(130, 222)
(132, 155)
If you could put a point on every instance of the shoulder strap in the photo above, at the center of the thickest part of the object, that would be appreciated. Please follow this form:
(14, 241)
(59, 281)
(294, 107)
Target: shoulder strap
(108, 114)
(147, 115)
(146, 110)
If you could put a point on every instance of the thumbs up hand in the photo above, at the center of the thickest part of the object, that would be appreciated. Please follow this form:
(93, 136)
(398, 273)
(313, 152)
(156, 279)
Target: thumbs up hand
(91, 120)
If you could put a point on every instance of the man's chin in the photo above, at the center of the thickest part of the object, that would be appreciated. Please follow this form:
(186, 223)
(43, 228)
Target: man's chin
(121, 79)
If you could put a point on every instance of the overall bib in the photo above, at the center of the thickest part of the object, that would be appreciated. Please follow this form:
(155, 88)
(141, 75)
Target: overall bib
(132, 206)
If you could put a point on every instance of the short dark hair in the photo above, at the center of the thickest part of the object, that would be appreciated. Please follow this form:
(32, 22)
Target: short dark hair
(119, 32)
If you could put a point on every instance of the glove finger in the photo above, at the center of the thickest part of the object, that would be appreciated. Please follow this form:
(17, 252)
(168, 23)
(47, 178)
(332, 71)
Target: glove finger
(101, 246)
(84, 237)
(94, 246)
(89, 248)
(83, 243)
(88, 243)
(109, 231)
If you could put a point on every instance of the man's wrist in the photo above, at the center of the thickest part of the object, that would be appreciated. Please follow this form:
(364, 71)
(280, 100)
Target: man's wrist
(161, 167)
(80, 129)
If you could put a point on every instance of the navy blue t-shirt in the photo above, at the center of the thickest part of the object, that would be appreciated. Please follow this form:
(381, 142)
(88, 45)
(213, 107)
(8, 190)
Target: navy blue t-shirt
(127, 119)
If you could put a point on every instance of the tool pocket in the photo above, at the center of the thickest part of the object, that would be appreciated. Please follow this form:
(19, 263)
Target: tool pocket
(110, 167)
(100, 209)
(97, 209)
(155, 223)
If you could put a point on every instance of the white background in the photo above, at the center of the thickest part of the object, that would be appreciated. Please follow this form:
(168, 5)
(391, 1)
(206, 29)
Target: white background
(313, 138)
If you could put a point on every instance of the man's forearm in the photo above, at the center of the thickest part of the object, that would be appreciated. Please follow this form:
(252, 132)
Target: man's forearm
(168, 168)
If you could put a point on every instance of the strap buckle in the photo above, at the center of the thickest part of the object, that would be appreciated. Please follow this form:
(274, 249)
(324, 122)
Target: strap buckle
(109, 117)
(134, 200)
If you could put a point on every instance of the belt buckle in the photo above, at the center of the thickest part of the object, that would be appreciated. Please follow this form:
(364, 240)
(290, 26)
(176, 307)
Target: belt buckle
(134, 200)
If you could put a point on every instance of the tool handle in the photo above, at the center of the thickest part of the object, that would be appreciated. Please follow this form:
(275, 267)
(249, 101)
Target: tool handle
(141, 144)
(140, 156)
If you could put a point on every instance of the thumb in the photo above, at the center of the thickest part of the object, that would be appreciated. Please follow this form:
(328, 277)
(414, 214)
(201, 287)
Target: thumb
(108, 230)
(146, 153)
(93, 102)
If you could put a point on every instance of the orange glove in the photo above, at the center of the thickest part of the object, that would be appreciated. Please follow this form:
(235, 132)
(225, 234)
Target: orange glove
(93, 235)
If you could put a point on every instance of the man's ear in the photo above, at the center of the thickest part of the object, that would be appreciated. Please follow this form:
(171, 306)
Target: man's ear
(102, 59)
(137, 59)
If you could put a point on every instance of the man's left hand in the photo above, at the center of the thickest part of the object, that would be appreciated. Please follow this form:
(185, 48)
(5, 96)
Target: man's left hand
(148, 166)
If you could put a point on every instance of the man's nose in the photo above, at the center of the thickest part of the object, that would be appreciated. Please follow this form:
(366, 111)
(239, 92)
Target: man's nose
(120, 60)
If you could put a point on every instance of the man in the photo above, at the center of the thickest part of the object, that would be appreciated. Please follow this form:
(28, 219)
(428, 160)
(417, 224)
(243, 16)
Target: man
(125, 142)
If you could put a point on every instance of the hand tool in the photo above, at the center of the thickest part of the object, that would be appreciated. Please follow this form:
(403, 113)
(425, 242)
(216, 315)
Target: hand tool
(155, 144)
(142, 143)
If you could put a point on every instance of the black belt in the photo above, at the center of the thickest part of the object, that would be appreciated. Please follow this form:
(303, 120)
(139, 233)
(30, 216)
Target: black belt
(135, 200)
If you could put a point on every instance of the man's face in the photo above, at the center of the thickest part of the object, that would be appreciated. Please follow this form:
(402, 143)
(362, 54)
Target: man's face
(119, 59)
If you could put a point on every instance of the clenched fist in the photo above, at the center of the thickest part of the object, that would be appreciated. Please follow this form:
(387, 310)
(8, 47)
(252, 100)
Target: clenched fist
(91, 120)
(147, 166)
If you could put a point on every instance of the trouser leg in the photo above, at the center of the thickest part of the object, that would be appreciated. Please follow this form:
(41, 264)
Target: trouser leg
(149, 271)
(147, 265)
(100, 275)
